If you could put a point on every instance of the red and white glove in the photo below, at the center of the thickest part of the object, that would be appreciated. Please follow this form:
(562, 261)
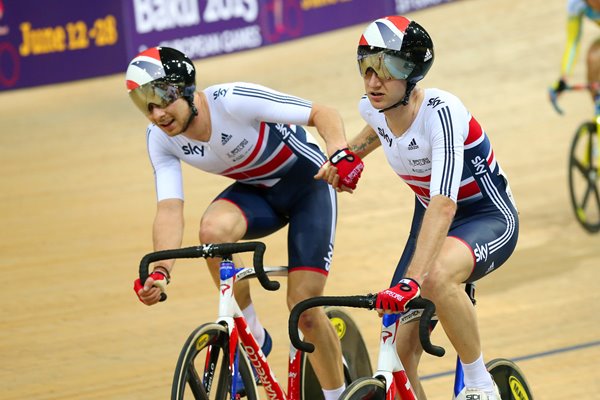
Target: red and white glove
(158, 279)
(397, 298)
(349, 166)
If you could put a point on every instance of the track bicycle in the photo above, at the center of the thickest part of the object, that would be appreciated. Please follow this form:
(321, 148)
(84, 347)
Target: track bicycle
(219, 357)
(584, 167)
(390, 379)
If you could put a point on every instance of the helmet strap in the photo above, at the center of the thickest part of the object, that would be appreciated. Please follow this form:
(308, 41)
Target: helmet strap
(404, 101)
(188, 95)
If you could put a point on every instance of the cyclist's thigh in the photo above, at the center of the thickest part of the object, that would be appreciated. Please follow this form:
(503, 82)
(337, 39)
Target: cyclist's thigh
(311, 231)
(491, 234)
(260, 218)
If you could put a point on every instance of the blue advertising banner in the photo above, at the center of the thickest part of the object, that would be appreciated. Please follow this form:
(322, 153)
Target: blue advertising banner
(211, 27)
(43, 42)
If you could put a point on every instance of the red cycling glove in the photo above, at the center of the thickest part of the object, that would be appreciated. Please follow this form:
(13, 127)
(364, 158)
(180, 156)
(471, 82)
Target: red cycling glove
(160, 278)
(396, 298)
(349, 166)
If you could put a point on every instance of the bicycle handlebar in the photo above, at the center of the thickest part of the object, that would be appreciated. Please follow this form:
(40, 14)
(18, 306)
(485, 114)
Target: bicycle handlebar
(569, 87)
(361, 301)
(212, 250)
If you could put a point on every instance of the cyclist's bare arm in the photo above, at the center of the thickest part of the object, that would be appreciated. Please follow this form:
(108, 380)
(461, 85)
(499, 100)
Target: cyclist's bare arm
(330, 126)
(433, 232)
(167, 231)
(365, 142)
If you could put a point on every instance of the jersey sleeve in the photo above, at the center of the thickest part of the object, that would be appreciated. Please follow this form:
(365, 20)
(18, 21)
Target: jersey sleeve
(448, 126)
(167, 167)
(259, 103)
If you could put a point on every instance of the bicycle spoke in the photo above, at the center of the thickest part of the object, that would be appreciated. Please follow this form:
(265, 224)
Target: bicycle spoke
(580, 167)
(195, 384)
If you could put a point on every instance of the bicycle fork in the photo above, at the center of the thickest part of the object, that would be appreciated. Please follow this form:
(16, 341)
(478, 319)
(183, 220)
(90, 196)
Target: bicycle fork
(389, 365)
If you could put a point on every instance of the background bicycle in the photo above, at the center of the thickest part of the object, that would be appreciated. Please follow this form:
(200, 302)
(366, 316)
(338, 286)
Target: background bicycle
(218, 359)
(584, 167)
(389, 379)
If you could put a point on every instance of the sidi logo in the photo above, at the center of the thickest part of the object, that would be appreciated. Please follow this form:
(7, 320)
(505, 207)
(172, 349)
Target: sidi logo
(158, 15)
(192, 149)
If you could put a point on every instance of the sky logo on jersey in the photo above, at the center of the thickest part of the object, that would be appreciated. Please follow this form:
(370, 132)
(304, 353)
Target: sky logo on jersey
(191, 149)
(218, 93)
(434, 102)
(479, 164)
(387, 138)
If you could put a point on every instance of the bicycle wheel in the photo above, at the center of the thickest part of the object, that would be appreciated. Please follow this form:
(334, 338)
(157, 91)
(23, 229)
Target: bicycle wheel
(354, 352)
(365, 388)
(510, 380)
(203, 370)
(583, 177)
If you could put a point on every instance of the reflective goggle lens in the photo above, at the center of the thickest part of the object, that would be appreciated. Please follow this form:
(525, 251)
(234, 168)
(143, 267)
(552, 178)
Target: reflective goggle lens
(160, 94)
(385, 66)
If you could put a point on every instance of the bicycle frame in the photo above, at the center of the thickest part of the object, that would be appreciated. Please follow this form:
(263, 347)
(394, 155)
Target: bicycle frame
(389, 365)
(390, 379)
(230, 314)
(390, 370)
(229, 311)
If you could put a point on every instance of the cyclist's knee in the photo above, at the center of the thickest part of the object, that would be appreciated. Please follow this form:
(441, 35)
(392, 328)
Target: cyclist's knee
(219, 225)
(310, 321)
(304, 285)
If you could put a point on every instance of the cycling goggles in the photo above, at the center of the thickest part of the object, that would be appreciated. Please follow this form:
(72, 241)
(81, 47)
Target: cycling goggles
(385, 65)
(159, 93)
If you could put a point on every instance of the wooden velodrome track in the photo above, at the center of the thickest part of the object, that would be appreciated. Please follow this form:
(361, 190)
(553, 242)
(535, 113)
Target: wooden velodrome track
(77, 205)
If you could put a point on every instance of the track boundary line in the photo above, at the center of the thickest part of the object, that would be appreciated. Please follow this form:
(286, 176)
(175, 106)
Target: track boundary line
(527, 357)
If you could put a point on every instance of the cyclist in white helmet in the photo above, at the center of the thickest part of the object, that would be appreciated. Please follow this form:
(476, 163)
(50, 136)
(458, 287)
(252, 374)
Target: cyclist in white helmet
(465, 224)
(253, 135)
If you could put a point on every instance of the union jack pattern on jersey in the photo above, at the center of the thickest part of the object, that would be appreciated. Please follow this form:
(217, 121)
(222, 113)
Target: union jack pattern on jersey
(445, 151)
(256, 138)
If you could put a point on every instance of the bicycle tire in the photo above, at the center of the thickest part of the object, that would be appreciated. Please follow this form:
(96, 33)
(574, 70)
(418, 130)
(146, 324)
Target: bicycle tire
(354, 352)
(207, 377)
(365, 388)
(510, 380)
(583, 177)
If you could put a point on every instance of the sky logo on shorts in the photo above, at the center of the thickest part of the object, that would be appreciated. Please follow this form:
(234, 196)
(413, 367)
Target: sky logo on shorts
(481, 252)
(328, 258)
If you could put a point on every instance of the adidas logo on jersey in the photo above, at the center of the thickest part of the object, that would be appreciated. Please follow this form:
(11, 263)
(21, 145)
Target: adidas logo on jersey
(225, 138)
(413, 145)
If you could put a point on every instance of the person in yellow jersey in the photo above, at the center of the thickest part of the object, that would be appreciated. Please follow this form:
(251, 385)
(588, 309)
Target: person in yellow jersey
(577, 10)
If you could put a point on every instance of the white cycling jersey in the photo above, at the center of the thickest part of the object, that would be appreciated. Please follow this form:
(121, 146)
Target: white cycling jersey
(251, 141)
(430, 155)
